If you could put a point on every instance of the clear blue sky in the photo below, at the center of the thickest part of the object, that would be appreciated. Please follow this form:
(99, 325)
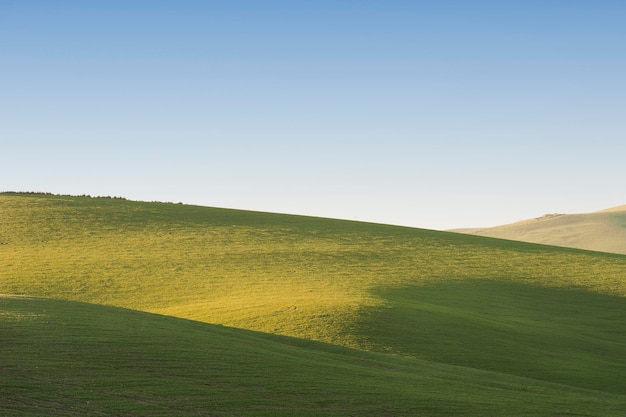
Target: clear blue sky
(435, 114)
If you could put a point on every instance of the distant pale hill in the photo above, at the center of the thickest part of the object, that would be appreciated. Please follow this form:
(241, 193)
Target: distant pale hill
(603, 231)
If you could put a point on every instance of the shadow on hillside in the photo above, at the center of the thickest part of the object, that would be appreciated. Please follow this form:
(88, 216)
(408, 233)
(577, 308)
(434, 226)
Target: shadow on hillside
(563, 335)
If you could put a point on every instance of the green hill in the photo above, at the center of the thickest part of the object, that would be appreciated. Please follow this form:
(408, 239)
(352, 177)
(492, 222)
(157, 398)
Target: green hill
(603, 230)
(512, 309)
(61, 358)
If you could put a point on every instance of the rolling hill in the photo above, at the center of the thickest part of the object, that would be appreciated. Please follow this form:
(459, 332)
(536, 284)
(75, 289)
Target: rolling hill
(550, 319)
(603, 231)
(62, 358)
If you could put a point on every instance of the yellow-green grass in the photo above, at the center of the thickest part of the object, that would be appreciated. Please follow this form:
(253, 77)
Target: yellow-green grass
(60, 358)
(603, 231)
(547, 313)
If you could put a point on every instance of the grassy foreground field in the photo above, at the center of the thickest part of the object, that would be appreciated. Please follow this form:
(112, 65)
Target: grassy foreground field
(61, 358)
(547, 321)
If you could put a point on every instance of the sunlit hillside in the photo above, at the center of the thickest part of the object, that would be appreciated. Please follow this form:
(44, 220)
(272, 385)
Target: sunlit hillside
(603, 230)
(549, 314)
(292, 275)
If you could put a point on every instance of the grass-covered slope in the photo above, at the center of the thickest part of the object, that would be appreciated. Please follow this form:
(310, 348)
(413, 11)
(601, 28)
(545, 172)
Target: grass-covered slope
(603, 231)
(541, 312)
(568, 336)
(60, 358)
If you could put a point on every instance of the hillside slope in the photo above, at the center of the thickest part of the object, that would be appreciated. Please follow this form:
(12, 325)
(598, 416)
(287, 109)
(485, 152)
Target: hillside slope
(546, 313)
(298, 276)
(61, 358)
(603, 230)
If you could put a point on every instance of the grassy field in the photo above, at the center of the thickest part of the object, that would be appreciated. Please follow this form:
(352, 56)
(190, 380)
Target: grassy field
(466, 308)
(61, 358)
(561, 335)
(603, 231)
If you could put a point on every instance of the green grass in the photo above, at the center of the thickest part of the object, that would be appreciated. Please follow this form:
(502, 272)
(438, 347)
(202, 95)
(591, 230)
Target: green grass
(567, 336)
(492, 309)
(296, 276)
(61, 358)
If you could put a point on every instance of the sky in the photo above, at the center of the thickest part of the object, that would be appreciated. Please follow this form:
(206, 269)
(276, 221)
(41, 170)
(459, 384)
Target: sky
(433, 114)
